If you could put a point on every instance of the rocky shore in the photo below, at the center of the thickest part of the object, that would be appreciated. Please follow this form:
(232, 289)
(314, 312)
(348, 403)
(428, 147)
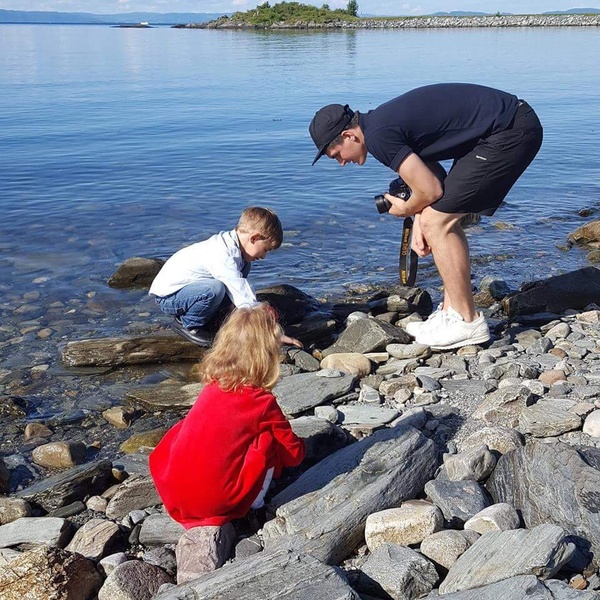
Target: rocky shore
(471, 474)
(574, 20)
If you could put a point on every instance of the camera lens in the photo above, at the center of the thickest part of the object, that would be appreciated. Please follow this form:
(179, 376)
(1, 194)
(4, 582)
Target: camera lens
(382, 204)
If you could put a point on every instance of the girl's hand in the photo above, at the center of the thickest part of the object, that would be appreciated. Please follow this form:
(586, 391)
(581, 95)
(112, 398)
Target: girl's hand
(290, 341)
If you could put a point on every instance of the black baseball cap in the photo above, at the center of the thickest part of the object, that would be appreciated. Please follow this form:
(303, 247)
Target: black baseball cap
(327, 124)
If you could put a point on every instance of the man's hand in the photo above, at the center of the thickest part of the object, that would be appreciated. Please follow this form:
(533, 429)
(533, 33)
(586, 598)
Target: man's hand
(290, 341)
(419, 243)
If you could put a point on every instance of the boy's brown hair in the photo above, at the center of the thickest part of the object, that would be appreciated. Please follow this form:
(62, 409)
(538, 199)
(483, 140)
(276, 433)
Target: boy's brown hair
(246, 351)
(264, 221)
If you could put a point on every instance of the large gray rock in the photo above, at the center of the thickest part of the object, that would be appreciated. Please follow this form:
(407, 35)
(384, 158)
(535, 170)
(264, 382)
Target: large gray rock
(556, 294)
(397, 572)
(501, 439)
(132, 350)
(51, 531)
(134, 493)
(95, 539)
(70, 486)
(458, 500)
(159, 529)
(281, 576)
(541, 551)
(136, 272)
(545, 420)
(520, 588)
(504, 406)
(551, 482)
(46, 573)
(325, 510)
(299, 393)
(292, 304)
(368, 335)
(133, 580)
(445, 547)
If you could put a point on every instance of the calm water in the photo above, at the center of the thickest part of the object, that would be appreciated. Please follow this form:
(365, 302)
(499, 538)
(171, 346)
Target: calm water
(125, 142)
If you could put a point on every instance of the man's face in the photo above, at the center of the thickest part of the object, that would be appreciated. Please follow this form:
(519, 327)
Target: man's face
(351, 150)
(256, 248)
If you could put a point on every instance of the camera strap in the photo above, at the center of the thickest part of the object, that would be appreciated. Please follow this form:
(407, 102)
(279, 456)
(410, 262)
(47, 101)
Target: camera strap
(408, 261)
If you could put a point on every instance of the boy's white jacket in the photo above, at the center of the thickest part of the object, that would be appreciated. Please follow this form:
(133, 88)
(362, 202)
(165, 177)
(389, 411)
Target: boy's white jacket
(218, 257)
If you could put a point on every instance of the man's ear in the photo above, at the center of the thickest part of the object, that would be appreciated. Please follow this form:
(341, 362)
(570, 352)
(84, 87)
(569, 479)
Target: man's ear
(256, 237)
(348, 134)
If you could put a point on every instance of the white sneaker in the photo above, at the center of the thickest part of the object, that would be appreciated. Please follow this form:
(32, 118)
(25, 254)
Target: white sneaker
(453, 332)
(415, 327)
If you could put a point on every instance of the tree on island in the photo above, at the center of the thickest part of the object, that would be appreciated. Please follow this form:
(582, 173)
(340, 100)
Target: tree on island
(352, 8)
(266, 14)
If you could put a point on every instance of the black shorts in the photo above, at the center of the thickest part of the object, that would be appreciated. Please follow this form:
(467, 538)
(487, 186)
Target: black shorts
(480, 180)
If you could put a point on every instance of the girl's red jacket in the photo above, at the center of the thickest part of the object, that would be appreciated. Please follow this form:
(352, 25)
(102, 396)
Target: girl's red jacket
(209, 468)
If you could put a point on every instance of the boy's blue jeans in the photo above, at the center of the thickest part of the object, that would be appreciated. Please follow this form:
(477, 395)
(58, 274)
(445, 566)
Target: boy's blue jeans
(196, 303)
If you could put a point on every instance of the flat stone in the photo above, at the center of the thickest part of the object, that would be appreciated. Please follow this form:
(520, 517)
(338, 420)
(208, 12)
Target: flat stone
(136, 492)
(118, 416)
(95, 538)
(504, 406)
(144, 439)
(160, 529)
(544, 420)
(299, 393)
(136, 272)
(500, 439)
(502, 554)
(321, 437)
(131, 350)
(70, 486)
(164, 397)
(370, 335)
(51, 531)
(403, 351)
(279, 576)
(366, 415)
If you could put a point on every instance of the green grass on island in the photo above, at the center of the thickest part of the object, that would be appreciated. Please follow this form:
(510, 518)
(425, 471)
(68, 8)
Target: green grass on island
(292, 12)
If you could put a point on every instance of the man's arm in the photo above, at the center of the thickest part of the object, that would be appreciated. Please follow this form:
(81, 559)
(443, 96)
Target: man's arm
(425, 186)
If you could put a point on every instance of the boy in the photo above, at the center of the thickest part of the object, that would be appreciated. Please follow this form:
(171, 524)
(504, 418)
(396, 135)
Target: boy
(200, 282)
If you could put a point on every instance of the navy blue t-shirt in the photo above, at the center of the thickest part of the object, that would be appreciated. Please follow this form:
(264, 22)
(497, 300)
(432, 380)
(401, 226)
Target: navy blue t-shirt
(436, 122)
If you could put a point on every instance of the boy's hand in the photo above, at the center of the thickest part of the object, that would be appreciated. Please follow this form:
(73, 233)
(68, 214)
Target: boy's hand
(290, 341)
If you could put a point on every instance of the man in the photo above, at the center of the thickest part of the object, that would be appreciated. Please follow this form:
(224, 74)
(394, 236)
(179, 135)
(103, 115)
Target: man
(492, 137)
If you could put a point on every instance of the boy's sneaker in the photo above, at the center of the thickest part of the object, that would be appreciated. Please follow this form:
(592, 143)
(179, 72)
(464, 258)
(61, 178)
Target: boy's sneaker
(415, 327)
(197, 335)
(453, 332)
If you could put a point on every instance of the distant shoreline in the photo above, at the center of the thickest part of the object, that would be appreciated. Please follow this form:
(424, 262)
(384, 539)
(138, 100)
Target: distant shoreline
(441, 22)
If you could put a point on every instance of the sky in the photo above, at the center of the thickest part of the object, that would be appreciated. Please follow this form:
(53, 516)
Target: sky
(375, 7)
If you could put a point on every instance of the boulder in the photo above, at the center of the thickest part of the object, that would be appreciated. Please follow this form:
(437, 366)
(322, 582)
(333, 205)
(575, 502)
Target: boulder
(12, 509)
(551, 482)
(458, 500)
(497, 517)
(321, 437)
(299, 393)
(324, 512)
(279, 576)
(131, 350)
(586, 235)
(351, 363)
(368, 335)
(545, 420)
(504, 406)
(445, 547)
(136, 272)
(159, 529)
(95, 538)
(136, 492)
(59, 455)
(499, 555)
(133, 580)
(70, 486)
(51, 531)
(46, 572)
(292, 304)
(574, 290)
(164, 397)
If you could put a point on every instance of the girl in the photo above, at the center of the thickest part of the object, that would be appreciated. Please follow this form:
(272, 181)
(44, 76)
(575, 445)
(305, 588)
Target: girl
(217, 463)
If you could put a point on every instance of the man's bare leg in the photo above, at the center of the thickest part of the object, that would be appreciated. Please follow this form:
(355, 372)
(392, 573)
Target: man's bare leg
(450, 250)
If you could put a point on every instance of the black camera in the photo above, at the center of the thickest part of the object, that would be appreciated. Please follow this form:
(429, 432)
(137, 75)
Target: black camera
(397, 188)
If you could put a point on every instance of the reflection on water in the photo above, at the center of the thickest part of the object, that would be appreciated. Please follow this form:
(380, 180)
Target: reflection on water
(124, 142)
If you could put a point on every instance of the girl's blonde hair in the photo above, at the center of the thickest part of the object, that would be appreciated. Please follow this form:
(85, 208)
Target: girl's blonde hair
(246, 351)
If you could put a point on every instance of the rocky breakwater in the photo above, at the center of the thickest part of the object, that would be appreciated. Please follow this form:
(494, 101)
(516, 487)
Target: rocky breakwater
(467, 474)
(572, 20)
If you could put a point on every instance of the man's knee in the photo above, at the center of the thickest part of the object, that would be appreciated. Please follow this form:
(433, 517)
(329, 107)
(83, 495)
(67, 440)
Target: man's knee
(215, 291)
(434, 223)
